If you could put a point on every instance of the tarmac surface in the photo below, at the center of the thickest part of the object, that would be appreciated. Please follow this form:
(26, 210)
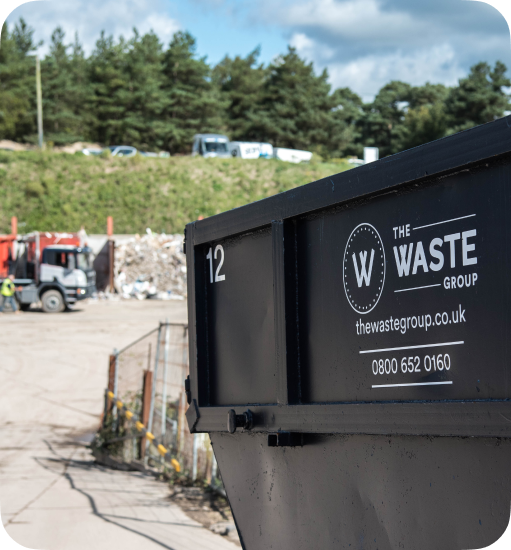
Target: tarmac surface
(53, 371)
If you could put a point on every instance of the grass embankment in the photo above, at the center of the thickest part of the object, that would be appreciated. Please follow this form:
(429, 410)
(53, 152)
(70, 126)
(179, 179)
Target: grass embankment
(60, 192)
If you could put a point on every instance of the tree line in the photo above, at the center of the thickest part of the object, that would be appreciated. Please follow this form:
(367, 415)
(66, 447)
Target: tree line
(138, 92)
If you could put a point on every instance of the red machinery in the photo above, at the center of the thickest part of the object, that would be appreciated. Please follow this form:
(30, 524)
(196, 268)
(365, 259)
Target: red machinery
(6, 253)
(53, 268)
(8, 248)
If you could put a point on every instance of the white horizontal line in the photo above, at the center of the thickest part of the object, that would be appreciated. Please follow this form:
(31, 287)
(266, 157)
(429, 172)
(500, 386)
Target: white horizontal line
(413, 347)
(446, 221)
(415, 384)
(417, 288)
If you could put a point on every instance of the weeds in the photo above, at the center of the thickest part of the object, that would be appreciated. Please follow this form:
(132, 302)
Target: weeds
(50, 191)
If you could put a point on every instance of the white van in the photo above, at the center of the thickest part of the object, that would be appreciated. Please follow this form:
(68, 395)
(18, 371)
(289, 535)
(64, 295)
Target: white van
(211, 145)
(291, 155)
(266, 150)
(245, 150)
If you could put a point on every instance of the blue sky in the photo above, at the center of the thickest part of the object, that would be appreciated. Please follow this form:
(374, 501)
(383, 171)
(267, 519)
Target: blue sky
(362, 43)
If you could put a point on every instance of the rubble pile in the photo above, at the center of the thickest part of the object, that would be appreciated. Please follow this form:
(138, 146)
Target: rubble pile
(151, 266)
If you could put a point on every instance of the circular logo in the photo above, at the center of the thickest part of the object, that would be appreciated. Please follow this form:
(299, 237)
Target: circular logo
(364, 268)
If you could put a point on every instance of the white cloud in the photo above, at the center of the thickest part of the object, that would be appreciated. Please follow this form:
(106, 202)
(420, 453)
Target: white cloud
(356, 20)
(366, 43)
(366, 74)
(309, 48)
(163, 25)
(369, 73)
(89, 17)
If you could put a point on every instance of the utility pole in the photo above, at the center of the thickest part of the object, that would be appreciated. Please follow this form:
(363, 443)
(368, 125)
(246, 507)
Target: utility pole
(39, 102)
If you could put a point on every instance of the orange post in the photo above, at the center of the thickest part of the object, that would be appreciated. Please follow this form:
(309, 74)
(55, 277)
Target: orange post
(111, 252)
(111, 386)
(14, 233)
(146, 406)
(109, 226)
(111, 378)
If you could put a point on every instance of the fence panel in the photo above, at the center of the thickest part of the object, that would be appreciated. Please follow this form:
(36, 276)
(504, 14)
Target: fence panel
(163, 352)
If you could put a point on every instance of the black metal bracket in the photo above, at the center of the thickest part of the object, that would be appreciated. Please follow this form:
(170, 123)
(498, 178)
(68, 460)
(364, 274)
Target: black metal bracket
(285, 439)
(245, 420)
(188, 390)
(193, 415)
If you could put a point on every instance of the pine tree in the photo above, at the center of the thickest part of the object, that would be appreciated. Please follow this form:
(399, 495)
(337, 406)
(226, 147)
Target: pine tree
(17, 83)
(193, 103)
(109, 90)
(425, 118)
(382, 125)
(145, 99)
(64, 87)
(344, 124)
(295, 106)
(479, 98)
(80, 91)
(241, 81)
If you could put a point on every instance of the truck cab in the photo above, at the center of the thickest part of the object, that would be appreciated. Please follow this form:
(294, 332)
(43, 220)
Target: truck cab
(53, 271)
(210, 146)
(71, 267)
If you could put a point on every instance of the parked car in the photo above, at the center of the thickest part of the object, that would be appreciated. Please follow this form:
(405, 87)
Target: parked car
(211, 145)
(122, 151)
(92, 151)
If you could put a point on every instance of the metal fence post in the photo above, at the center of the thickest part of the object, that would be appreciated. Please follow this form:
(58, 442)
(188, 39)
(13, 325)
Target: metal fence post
(116, 383)
(194, 463)
(105, 408)
(214, 468)
(110, 384)
(153, 392)
(165, 370)
(146, 403)
(181, 422)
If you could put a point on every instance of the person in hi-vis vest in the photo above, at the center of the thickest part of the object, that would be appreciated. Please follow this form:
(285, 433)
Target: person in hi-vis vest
(7, 291)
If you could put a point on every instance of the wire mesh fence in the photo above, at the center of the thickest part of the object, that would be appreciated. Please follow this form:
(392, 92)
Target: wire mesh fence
(148, 376)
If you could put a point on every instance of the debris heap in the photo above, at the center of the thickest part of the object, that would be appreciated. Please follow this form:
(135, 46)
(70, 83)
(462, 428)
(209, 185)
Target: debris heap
(151, 266)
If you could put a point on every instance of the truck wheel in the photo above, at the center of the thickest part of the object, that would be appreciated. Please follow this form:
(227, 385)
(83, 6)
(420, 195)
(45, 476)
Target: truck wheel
(53, 302)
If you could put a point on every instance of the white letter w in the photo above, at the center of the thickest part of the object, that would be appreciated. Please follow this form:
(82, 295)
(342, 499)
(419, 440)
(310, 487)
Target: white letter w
(363, 275)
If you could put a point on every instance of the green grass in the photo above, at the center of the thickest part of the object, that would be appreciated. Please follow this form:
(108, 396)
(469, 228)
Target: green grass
(60, 192)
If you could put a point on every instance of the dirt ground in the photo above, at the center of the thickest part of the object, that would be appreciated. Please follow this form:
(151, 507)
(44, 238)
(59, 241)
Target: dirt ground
(207, 507)
(52, 494)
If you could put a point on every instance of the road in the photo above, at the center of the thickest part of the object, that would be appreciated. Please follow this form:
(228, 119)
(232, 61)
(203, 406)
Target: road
(53, 496)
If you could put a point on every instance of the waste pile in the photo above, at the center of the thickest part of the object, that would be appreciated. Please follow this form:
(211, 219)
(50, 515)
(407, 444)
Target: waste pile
(151, 266)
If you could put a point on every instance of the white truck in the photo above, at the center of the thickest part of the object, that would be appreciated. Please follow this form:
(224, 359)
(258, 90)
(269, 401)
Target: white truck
(251, 150)
(53, 268)
(218, 145)
(211, 146)
(245, 149)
